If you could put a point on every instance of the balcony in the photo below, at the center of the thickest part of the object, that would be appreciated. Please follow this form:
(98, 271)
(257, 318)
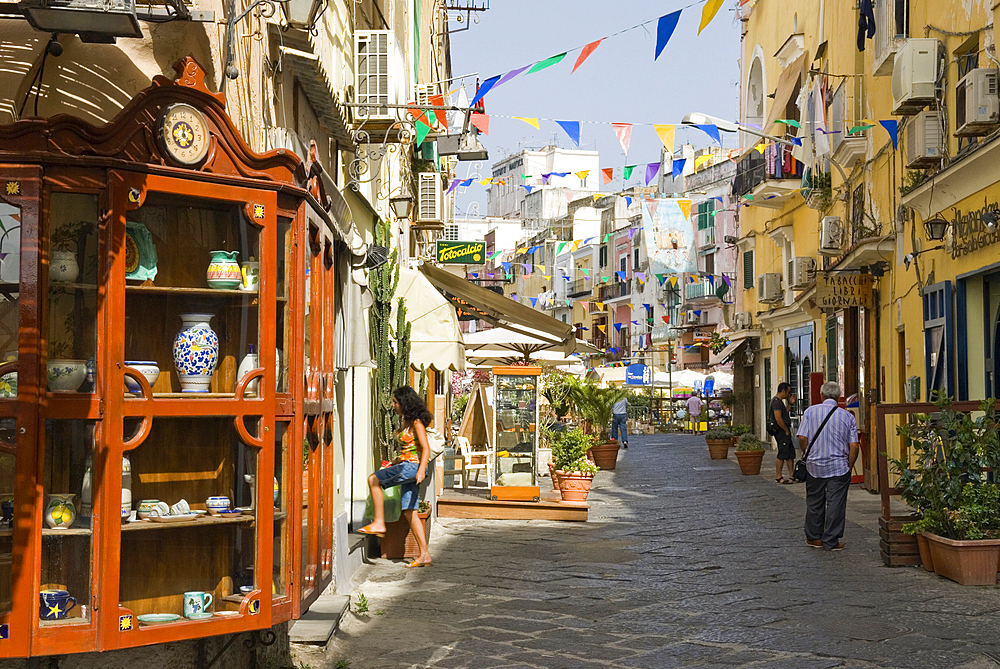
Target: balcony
(579, 287)
(615, 291)
(769, 179)
(701, 293)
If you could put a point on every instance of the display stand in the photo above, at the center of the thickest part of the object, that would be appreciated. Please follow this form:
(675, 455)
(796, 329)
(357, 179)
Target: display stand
(515, 443)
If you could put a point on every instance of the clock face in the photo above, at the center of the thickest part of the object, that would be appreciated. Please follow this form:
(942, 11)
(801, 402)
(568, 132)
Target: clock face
(184, 133)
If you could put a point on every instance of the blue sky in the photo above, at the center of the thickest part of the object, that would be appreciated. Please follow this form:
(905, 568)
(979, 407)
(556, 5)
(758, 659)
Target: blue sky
(620, 82)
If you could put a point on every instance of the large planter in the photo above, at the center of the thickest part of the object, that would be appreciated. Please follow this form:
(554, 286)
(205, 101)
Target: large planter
(718, 449)
(750, 461)
(925, 552)
(196, 353)
(965, 562)
(398, 541)
(554, 475)
(605, 455)
(575, 486)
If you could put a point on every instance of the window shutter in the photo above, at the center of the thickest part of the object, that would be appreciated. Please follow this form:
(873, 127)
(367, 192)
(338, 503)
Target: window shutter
(748, 278)
(938, 340)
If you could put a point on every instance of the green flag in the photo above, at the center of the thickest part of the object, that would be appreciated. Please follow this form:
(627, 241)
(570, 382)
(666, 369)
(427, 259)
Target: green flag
(548, 62)
(628, 171)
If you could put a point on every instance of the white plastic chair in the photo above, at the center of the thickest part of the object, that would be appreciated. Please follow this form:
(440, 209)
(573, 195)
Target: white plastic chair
(468, 453)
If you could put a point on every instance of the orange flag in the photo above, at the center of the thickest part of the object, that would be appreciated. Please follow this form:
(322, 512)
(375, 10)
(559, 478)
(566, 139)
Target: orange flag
(587, 50)
(481, 123)
(608, 174)
(440, 114)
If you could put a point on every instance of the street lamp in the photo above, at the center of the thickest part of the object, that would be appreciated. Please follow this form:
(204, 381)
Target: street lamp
(401, 205)
(936, 227)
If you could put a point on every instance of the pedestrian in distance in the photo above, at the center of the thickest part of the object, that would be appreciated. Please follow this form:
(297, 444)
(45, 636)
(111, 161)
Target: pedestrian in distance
(694, 411)
(828, 436)
(619, 421)
(779, 426)
(407, 471)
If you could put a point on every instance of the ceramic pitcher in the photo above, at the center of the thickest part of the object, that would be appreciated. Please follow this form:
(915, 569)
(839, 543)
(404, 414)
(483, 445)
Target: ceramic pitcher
(59, 510)
(224, 271)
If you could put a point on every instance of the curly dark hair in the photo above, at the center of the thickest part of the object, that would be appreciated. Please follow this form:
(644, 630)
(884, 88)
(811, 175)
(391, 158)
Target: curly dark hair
(412, 406)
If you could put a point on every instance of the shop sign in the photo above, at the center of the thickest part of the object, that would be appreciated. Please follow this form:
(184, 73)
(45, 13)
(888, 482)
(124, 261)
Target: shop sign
(702, 336)
(840, 291)
(970, 233)
(461, 253)
(638, 375)
(662, 334)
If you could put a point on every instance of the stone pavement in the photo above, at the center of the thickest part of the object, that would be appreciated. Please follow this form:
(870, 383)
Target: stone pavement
(684, 563)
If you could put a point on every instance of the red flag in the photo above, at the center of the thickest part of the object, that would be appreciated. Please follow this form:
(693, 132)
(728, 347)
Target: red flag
(608, 174)
(587, 50)
(440, 114)
(666, 319)
(419, 114)
(481, 123)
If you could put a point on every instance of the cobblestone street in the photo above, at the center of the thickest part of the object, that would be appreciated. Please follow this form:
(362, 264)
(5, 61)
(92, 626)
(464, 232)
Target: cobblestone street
(684, 563)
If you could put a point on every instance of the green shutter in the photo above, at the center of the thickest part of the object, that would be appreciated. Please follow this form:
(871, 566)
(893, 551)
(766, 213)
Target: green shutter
(748, 278)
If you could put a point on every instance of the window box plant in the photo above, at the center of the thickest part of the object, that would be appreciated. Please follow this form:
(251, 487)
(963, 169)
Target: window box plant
(958, 512)
(719, 440)
(749, 453)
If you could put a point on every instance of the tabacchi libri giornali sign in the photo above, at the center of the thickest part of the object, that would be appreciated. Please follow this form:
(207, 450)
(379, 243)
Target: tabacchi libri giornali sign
(839, 291)
(463, 253)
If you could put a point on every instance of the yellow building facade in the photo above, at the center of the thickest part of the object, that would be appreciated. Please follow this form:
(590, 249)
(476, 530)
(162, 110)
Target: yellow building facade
(841, 275)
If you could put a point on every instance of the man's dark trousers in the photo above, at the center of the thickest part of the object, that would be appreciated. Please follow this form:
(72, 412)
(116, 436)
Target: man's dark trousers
(826, 508)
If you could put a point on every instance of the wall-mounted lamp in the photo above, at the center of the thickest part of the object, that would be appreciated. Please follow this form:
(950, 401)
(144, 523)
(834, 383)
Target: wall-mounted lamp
(936, 227)
(990, 220)
(401, 205)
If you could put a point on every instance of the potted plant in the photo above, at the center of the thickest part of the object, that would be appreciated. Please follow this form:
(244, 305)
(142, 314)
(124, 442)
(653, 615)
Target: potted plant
(749, 453)
(572, 469)
(596, 406)
(739, 429)
(719, 440)
(398, 541)
(958, 513)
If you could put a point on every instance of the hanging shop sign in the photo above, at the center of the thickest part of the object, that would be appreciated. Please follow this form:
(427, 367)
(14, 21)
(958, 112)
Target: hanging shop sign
(840, 291)
(461, 253)
(638, 374)
(970, 231)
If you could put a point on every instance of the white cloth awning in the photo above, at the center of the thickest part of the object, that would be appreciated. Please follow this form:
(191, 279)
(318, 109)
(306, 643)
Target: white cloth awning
(730, 348)
(435, 338)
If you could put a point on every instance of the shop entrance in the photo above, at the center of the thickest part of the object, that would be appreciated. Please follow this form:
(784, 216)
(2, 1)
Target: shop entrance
(798, 367)
(991, 320)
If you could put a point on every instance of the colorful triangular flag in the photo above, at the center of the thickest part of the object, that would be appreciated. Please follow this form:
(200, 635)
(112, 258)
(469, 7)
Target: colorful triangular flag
(587, 50)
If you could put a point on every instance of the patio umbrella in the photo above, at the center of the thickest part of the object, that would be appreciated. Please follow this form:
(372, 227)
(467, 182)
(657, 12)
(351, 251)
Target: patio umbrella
(524, 343)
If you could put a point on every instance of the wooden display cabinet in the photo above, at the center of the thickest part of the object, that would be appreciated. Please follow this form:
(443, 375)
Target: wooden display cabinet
(514, 455)
(105, 241)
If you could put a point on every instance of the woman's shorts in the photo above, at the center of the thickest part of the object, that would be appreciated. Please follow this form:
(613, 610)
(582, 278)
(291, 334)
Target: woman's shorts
(405, 476)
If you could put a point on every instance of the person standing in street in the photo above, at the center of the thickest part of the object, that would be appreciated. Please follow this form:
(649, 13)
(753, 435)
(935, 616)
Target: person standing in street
(829, 437)
(694, 412)
(780, 427)
(619, 421)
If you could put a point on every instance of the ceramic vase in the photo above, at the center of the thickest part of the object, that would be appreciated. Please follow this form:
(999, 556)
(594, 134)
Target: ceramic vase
(65, 375)
(224, 271)
(196, 353)
(63, 266)
(59, 510)
(251, 276)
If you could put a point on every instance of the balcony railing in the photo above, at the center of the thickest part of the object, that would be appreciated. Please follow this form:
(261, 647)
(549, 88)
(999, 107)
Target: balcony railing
(755, 170)
(579, 287)
(615, 290)
(702, 290)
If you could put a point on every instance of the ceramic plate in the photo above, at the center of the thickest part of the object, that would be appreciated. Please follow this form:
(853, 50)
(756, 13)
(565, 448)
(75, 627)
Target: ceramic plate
(158, 618)
(244, 509)
(200, 512)
(199, 616)
(228, 514)
(174, 519)
(139, 243)
(227, 614)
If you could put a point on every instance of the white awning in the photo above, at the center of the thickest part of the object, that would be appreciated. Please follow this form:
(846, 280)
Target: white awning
(435, 338)
(731, 347)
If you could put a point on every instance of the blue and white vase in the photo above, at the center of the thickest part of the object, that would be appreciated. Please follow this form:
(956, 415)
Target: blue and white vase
(196, 353)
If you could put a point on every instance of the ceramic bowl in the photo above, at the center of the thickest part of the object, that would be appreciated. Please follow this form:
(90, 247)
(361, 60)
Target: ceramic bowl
(147, 368)
(65, 375)
(217, 504)
(246, 589)
(200, 616)
(145, 506)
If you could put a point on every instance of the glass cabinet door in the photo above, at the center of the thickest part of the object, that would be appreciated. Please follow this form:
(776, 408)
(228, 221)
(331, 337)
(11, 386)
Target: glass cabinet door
(516, 411)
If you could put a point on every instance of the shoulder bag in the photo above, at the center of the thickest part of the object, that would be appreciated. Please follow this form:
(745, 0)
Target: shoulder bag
(800, 465)
(435, 440)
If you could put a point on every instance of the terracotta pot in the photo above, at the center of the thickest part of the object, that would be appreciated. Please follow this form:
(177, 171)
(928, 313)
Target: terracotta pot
(718, 449)
(965, 562)
(605, 456)
(575, 486)
(750, 461)
(398, 541)
(925, 552)
(554, 473)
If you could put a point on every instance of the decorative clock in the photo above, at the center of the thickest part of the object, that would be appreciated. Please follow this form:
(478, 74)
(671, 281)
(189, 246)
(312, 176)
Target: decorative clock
(184, 134)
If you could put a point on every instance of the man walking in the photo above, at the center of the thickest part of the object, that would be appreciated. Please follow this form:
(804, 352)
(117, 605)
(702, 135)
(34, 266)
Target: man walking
(694, 411)
(780, 428)
(619, 421)
(831, 436)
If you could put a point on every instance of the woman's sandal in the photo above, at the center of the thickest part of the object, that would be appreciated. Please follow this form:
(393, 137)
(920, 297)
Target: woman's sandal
(416, 564)
(367, 530)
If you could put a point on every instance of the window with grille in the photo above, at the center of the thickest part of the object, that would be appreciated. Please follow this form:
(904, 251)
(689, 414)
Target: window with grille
(451, 232)
(706, 222)
(858, 230)
(748, 278)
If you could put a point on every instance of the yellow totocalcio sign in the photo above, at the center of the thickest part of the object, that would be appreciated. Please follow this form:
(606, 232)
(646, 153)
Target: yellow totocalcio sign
(461, 253)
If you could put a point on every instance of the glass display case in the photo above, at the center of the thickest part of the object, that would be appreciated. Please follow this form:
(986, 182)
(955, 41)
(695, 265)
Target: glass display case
(515, 438)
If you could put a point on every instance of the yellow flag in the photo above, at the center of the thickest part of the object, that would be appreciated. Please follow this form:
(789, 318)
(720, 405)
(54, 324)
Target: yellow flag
(523, 250)
(582, 174)
(673, 281)
(600, 305)
(602, 328)
(541, 267)
(486, 182)
(708, 13)
(685, 207)
(529, 121)
(702, 159)
(666, 134)
(576, 244)
(547, 277)
(598, 196)
(760, 148)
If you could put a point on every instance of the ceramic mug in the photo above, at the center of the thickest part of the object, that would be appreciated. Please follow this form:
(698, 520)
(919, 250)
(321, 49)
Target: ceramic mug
(55, 604)
(196, 602)
(216, 504)
(181, 508)
(153, 507)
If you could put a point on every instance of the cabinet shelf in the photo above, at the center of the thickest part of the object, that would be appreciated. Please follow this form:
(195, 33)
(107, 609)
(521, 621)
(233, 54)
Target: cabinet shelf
(62, 286)
(198, 522)
(173, 291)
(47, 532)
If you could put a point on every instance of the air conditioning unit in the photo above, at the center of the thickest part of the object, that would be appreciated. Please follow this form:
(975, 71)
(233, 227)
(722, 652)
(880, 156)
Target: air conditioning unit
(769, 288)
(379, 74)
(693, 318)
(831, 236)
(923, 140)
(977, 108)
(802, 272)
(742, 320)
(428, 198)
(914, 75)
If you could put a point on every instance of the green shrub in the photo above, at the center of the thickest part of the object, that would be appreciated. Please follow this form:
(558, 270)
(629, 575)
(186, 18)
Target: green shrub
(583, 465)
(569, 447)
(749, 442)
(741, 429)
(719, 433)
